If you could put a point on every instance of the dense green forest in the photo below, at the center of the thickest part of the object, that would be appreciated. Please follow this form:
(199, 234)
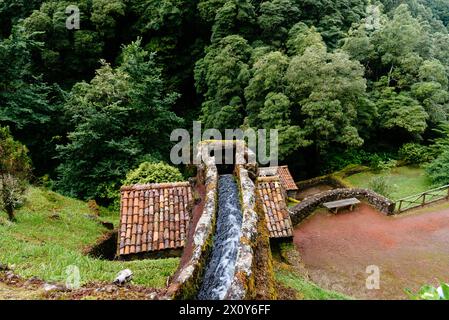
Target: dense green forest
(344, 82)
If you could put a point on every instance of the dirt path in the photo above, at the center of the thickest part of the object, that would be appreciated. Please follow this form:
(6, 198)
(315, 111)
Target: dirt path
(410, 251)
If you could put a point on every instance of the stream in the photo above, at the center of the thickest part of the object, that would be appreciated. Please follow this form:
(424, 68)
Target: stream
(220, 270)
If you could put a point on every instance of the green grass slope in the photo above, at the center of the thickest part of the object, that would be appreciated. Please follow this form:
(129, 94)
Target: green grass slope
(40, 245)
(305, 289)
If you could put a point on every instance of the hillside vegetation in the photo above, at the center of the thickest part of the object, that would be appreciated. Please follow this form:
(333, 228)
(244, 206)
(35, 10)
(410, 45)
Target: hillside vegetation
(51, 234)
(342, 81)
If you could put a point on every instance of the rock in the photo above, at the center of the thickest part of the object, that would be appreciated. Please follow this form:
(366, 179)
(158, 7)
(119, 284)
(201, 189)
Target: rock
(10, 275)
(123, 277)
(152, 296)
(110, 289)
(53, 288)
(31, 281)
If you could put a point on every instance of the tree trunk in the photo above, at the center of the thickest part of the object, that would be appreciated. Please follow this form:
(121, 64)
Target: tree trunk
(11, 215)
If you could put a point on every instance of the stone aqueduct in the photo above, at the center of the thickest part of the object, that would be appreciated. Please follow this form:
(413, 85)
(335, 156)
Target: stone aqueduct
(253, 276)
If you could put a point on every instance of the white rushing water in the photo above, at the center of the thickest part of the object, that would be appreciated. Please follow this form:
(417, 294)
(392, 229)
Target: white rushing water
(220, 270)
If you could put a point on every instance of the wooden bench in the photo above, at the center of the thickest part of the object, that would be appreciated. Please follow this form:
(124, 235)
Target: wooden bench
(336, 205)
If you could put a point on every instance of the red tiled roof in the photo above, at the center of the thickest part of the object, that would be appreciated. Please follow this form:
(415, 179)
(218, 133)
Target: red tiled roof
(274, 205)
(154, 217)
(286, 178)
(284, 175)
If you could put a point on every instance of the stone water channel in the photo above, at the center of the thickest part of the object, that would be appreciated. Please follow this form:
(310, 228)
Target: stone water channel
(221, 267)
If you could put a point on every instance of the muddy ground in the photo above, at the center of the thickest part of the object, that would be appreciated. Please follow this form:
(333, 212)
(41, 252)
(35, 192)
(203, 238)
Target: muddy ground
(410, 250)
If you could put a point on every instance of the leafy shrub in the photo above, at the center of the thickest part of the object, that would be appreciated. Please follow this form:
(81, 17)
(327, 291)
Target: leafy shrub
(431, 293)
(377, 164)
(382, 186)
(414, 153)
(438, 170)
(149, 172)
(337, 160)
(15, 167)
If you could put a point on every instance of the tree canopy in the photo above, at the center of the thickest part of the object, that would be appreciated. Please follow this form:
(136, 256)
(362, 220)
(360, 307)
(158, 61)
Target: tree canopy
(333, 77)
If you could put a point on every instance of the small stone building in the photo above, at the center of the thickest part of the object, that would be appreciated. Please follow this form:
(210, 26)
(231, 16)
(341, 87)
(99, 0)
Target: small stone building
(286, 179)
(155, 219)
(271, 195)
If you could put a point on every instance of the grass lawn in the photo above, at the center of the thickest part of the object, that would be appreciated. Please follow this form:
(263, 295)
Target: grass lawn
(306, 289)
(407, 181)
(43, 246)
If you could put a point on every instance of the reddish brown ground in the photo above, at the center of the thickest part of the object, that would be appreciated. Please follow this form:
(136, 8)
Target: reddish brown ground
(410, 250)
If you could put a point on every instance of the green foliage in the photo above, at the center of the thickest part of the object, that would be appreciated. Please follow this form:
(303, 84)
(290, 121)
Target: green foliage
(438, 170)
(120, 118)
(429, 292)
(29, 106)
(302, 37)
(414, 153)
(331, 76)
(399, 111)
(382, 186)
(148, 172)
(11, 11)
(222, 76)
(15, 169)
(42, 247)
(234, 17)
(305, 289)
(328, 112)
(276, 18)
(378, 165)
(267, 78)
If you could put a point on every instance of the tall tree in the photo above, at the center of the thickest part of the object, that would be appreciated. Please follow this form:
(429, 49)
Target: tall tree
(29, 106)
(328, 88)
(121, 118)
(221, 76)
(15, 168)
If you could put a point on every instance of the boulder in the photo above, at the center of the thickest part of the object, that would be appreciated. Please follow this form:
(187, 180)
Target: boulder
(123, 277)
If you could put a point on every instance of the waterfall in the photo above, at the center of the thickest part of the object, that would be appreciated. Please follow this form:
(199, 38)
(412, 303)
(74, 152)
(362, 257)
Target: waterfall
(220, 270)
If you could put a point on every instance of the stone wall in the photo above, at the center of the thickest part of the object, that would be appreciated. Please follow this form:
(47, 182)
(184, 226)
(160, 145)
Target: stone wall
(309, 205)
(188, 279)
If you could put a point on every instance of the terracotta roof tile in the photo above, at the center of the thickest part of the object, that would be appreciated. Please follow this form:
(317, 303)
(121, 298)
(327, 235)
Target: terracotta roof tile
(271, 196)
(284, 174)
(154, 217)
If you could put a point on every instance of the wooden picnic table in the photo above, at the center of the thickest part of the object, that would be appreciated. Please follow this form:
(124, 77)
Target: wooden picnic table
(336, 205)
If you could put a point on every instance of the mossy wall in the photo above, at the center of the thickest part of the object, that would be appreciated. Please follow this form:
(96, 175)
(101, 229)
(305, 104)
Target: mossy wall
(307, 207)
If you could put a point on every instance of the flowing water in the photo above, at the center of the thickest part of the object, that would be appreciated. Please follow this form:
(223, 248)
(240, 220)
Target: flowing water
(220, 270)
